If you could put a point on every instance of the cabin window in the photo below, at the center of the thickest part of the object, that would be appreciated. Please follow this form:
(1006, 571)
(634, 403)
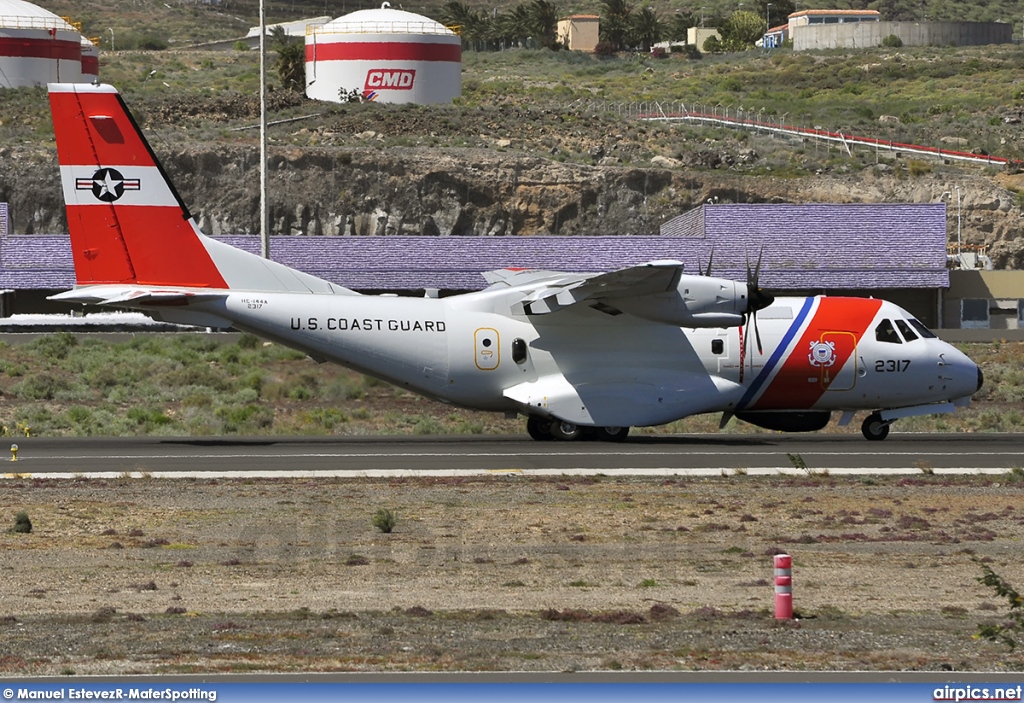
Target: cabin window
(519, 350)
(885, 332)
(717, 346)
(908, 334)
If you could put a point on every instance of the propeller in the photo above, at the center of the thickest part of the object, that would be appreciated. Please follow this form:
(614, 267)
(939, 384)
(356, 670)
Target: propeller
(757, 299)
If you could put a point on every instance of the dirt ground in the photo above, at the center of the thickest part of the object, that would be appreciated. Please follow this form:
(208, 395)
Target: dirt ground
(505, 573)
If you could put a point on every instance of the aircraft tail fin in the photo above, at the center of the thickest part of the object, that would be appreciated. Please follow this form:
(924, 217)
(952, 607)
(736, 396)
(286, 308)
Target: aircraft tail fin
(128, 225)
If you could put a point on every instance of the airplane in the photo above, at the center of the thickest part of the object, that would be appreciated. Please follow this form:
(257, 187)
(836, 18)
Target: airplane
(579, 354)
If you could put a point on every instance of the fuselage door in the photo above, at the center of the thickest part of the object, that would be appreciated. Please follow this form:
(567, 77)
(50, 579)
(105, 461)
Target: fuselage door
(488, 348)
(834, 357)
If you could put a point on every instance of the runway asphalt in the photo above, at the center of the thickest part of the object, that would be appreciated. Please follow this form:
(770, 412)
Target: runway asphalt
(467, 455)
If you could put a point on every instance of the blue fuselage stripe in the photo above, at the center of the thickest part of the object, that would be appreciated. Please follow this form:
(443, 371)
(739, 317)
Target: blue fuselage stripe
(776, 357)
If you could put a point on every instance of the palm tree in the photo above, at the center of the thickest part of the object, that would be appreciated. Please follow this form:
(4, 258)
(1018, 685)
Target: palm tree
(513, 27)
(681, 22)
(291, 59)
(615, 22)
(471, 24)
(647, 28)
(544, 22)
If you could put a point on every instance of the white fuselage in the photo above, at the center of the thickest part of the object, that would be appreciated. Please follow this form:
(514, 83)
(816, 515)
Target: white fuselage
(592, 368)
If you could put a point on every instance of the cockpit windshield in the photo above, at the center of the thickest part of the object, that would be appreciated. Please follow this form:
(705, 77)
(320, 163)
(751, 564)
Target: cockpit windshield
(921, 329)
(904, 328)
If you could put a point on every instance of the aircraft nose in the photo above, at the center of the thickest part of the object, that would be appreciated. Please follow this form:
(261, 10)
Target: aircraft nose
(981, 380)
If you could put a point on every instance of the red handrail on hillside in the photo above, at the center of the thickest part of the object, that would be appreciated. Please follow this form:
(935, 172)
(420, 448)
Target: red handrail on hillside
(831, 136)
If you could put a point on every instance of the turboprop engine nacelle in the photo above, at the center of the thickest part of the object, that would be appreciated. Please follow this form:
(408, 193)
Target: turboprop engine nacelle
(696, 301)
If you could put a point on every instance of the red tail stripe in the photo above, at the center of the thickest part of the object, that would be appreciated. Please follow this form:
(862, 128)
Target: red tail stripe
(163, 248)
(111, 142)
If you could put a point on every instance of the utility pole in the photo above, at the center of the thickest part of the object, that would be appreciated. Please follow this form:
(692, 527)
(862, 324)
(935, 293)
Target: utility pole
(264, 224)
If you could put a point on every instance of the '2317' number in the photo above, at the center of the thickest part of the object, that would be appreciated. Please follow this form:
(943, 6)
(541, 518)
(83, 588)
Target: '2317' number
(892, 365)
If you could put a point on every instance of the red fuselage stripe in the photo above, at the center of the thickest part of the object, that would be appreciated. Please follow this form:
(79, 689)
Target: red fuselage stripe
(802, 379)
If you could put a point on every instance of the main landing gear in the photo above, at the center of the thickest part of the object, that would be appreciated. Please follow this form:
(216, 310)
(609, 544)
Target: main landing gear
(542, 429)
(875, 428)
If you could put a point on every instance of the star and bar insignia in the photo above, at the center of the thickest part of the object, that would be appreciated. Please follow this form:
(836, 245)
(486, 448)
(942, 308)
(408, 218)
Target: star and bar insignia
(107, 184)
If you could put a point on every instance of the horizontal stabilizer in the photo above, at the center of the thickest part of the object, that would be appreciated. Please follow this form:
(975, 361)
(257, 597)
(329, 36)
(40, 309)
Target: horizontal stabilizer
(129, 296)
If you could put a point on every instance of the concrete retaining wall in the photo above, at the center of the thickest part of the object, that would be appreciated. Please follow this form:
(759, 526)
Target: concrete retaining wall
(871, 34)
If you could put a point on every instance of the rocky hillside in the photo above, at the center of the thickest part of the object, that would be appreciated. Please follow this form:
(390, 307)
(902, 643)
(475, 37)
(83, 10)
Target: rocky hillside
(367, 190)
(500, 163)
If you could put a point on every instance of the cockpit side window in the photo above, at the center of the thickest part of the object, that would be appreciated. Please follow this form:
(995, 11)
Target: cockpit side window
(908, 334)
(885, 332)
(921, 329)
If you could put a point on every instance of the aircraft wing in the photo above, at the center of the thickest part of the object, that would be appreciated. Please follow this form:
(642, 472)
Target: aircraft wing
(549, 291)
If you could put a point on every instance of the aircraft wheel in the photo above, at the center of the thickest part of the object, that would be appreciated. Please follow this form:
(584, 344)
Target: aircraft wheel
(612, 434)
(565, 431)
(539, 428)
(874, 428)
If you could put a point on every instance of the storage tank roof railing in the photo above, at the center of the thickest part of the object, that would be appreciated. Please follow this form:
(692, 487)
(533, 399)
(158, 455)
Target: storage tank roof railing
(23, 22)
(383, 20)
(381, 28)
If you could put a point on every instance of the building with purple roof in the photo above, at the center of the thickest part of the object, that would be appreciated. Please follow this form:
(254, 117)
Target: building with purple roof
(893, 251)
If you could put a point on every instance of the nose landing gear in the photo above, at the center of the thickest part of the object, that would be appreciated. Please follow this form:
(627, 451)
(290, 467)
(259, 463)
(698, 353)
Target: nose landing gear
(875, 428)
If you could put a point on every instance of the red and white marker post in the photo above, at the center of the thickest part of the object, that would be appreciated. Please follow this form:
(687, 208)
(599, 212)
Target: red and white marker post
(783, 587)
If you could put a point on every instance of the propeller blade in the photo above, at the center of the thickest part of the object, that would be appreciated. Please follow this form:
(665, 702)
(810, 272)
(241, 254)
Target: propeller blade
(726, 416)
(757, 335)
(757, 298)
(746, 337)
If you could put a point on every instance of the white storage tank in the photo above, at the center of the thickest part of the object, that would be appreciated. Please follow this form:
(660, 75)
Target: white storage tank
(384, 55)
(37, 47)
(90, 61)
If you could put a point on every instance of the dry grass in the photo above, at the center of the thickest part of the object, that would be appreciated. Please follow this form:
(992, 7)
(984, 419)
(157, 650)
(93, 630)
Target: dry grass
(291, 575)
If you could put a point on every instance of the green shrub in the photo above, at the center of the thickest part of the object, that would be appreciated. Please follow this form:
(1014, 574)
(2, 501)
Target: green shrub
(55, 346)
(41, 386)
(146, 417)
(427, 426)
(1002, 632)
(22, 524)
(250, 341)
(918, 168)
(892, 42)
(384, 520)
(152, 43)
